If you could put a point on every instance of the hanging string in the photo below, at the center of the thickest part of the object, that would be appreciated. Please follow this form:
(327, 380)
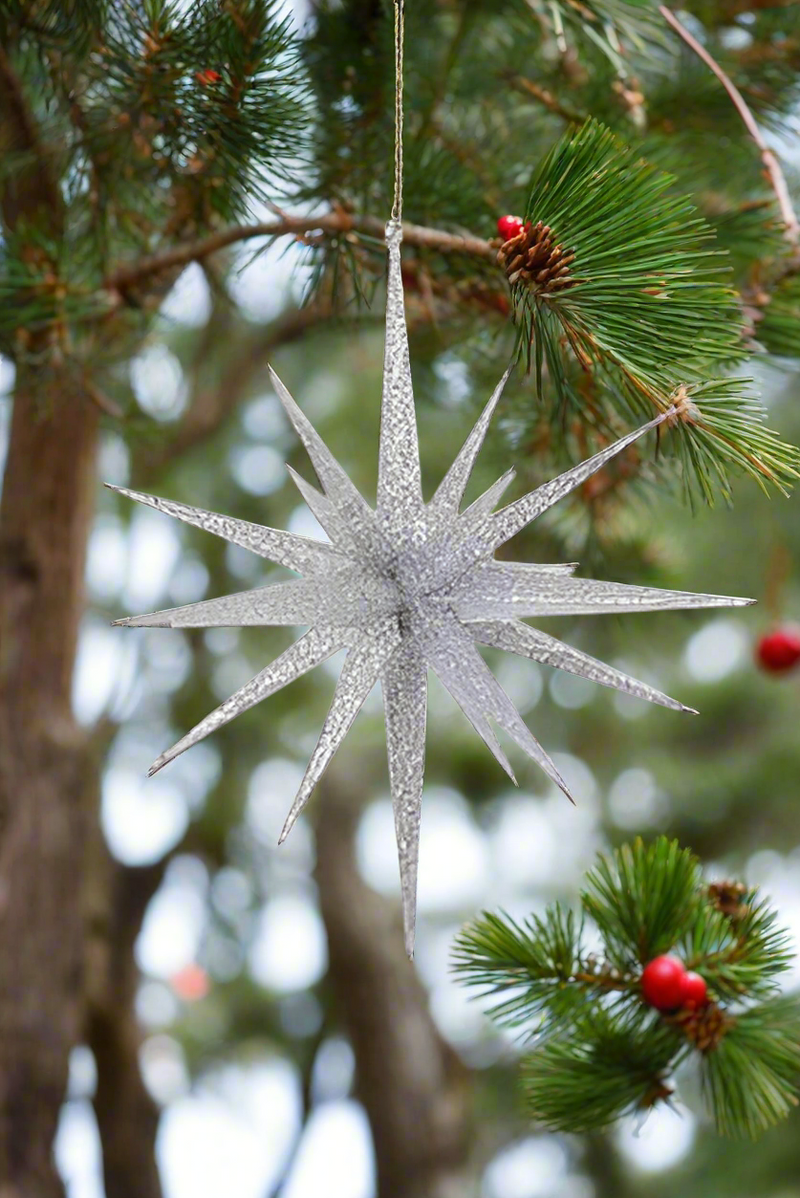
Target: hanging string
(399, 32)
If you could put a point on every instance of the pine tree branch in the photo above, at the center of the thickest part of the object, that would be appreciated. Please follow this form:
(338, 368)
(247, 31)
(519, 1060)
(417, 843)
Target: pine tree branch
(771, 164)
(603, 1044)
(527, 87)
(329, 223)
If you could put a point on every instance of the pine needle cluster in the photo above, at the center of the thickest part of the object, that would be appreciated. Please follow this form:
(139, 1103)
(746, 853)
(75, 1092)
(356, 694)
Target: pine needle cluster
(645, 299)
(598, 1050)
(155, 122)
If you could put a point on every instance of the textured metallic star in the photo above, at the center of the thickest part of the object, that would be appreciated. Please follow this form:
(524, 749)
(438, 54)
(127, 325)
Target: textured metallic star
(406, 587)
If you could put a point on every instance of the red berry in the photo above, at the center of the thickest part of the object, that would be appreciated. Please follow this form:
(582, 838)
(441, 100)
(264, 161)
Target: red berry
(208, 76)
(509, 226)
(662, 983)
(779, 650)
(695, 991)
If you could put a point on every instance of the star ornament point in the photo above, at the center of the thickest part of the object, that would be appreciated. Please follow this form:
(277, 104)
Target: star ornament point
(409, 586)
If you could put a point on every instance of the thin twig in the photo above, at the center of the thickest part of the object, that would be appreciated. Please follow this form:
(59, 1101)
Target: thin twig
(527, 87)
(330, 223)
(604, 981)
(771, 164)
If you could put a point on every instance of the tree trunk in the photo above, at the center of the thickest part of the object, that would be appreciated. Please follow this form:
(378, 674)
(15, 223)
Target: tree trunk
(127, 1117)
(413, 1086)
(48, 777)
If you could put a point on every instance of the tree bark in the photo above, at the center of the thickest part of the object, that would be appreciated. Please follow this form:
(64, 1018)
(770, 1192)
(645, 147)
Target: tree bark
(48, 778)
(127, 1117)
(413, 1086)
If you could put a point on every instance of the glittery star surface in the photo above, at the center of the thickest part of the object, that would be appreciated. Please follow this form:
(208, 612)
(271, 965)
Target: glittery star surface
(406, 587)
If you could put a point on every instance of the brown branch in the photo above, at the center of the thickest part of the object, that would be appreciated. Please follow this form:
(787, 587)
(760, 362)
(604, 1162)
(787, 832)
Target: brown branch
(527, 87)
(300, 226)
(605, 981)
(49, 788)
(771, 164)
(30, 190)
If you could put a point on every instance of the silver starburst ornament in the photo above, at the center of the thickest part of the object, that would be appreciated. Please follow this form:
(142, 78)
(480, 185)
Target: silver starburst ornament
(409, 586)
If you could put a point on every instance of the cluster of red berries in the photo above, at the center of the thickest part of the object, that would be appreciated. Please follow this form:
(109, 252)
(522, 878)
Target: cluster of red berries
(667, 985)
(779, 650)
(510, 226)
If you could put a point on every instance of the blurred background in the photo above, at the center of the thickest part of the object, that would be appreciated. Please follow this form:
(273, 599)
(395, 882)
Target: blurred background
(278, 1043)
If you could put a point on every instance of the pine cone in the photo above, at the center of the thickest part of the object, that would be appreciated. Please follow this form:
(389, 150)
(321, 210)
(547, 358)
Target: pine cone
(704, 1026)
(533, 259)
(727, 898)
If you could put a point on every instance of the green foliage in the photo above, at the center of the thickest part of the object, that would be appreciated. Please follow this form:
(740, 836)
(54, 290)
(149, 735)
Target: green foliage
(738, 957)
(220, 136)
(723, 432)
(646, 310)
(647, 291)
(612, 25)
(473, 137)
(161, 121)
(610, 1065)
(749, 232)
(641, 899)
(53, 22)
(727, 430)
(779, 328)
(525, 964)
(752, 1076)
(599, 1050)
(158, 122)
